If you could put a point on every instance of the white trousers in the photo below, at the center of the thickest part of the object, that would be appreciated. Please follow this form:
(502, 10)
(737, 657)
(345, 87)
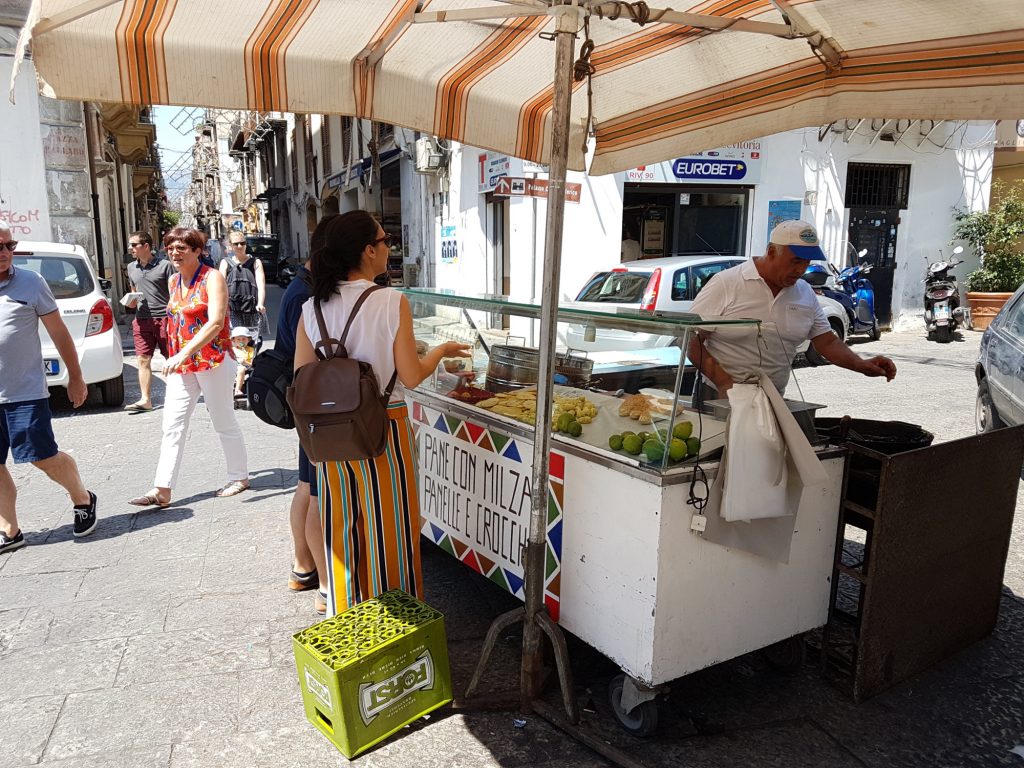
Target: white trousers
(183, 389)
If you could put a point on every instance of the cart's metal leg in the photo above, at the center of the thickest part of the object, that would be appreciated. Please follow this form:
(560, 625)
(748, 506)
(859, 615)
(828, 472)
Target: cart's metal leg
(585, 736)
(502, 622)
(554, 633)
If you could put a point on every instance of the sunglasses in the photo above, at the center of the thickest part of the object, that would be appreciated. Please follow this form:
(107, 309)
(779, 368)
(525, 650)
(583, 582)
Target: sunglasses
(386, 240)
(136, 245)
(10, 245)
(237, 245)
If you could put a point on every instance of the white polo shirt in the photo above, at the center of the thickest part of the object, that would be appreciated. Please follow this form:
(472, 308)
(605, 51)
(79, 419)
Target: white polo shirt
(787, 320)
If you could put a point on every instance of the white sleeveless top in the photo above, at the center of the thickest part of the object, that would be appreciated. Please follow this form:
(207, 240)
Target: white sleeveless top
(371, 339)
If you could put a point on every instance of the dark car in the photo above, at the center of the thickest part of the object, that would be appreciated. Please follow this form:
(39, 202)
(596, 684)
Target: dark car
(1000, 369)
(266, 248)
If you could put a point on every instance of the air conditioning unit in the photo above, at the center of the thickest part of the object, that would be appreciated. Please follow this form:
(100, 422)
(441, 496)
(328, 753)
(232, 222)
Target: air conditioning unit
(429, 157)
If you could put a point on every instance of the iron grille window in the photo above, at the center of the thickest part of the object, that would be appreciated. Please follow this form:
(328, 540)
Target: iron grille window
(295, 161)
(877, 185)
(346, 140)
(325, 144)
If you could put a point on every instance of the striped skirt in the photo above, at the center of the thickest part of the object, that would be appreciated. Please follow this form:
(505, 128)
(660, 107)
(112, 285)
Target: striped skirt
(371, 517)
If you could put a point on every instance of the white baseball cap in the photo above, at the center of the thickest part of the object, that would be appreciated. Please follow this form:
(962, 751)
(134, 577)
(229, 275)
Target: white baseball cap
(800, 237)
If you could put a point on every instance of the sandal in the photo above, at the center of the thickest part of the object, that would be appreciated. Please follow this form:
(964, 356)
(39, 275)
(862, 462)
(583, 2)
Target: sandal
(233, 488)
(149, 500)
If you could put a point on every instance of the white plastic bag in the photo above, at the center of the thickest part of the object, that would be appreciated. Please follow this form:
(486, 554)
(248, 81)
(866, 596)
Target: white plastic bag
(755, 458)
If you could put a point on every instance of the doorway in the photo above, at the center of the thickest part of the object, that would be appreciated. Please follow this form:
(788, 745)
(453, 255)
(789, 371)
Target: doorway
(499, 266)
(875, 195)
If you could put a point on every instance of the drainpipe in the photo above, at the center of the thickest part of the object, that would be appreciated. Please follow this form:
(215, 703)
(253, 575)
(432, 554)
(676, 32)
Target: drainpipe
(92, 150)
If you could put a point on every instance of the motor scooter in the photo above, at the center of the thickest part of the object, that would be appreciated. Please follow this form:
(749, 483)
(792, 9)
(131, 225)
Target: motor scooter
(942, 311)
(851, 288)
(286, 272)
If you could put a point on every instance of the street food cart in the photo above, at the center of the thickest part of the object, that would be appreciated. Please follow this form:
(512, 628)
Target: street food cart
(628, 568)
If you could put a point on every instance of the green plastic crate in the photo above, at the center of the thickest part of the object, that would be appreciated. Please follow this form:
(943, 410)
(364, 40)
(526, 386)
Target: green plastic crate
(373, 669)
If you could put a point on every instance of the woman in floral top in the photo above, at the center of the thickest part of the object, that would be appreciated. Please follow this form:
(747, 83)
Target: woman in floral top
(200, 362)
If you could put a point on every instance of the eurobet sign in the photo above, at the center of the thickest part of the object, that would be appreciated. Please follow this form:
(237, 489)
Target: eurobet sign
(709, 169)
(735, 164)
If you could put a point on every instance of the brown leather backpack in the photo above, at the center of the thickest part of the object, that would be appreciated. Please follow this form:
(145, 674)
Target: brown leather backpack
(339, 412)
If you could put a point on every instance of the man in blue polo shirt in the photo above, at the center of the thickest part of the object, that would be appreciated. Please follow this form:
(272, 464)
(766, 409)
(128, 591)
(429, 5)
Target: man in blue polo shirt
(25, 430)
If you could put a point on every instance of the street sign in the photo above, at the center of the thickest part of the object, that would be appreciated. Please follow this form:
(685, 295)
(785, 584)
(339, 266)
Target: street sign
(511, 186)
(236, 225)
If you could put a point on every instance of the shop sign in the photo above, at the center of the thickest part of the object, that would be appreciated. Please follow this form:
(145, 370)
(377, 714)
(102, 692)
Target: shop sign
(511, 186)
(491, 166)
(1010, 136)
(476, 497)
(737, 163)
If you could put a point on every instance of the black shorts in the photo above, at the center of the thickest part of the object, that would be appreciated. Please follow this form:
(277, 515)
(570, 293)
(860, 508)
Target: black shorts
(307, 472)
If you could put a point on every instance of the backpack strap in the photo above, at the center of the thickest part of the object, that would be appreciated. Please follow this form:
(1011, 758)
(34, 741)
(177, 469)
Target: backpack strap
(327, 347)
(359, 303)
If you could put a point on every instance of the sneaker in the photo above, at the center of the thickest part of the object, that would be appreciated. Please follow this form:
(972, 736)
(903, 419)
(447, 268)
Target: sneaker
(11, 543)
(300, 582)
(85, 517)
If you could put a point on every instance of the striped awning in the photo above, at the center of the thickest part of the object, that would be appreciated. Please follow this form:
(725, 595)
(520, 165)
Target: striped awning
(481, 72)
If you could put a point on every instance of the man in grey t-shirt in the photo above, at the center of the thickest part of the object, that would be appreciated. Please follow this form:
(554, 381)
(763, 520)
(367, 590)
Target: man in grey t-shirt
(149, 275)
(25, 428)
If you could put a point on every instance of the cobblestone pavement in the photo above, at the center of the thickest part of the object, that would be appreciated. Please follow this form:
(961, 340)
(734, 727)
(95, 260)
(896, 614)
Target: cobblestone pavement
(164, 638)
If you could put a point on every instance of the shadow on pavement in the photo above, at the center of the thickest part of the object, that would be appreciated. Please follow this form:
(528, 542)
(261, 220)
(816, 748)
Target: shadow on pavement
(112, 526)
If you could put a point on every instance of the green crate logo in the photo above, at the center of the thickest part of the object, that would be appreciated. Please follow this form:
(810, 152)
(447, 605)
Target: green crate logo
(319, 690)
(374, 698)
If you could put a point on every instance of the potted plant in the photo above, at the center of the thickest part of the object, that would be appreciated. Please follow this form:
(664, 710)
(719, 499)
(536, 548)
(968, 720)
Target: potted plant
(996, 236)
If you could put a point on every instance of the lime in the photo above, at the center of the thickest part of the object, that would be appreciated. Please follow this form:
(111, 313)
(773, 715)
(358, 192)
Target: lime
(645, 436)
(677, 449)
(662, 435)
(692, 446)
(627, 433)
(615, 442)
(563, 422)
(575, 428)
(654, 450)
(632, 444)
(682, 430)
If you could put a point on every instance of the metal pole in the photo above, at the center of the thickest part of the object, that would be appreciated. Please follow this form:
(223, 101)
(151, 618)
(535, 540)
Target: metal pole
(565, 40)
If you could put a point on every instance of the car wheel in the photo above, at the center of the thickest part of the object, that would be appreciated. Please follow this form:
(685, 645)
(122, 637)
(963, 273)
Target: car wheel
(814, 357)
(985, 416)
(112, 392)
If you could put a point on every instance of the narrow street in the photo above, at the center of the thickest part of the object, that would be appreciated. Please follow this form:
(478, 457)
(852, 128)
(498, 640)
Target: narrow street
(164, 639)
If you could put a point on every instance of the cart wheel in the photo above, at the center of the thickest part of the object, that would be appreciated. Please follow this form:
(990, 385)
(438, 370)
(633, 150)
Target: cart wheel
(786, 655)
(642, 721)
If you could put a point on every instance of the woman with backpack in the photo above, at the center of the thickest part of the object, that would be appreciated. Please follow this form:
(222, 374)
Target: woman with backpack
(369, 508)
(247, 285)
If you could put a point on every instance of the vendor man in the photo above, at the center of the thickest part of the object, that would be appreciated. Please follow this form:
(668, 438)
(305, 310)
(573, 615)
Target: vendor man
(769, 289)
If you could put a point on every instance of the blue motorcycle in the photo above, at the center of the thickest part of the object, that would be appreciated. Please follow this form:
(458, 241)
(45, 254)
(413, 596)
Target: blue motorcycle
(851, 288)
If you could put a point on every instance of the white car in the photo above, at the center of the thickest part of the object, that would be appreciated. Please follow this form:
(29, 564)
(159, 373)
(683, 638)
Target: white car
(86, 312)
(666, 285)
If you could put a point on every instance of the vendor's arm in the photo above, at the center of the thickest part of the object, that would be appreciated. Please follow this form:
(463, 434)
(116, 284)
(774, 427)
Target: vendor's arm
(712, 301)
(413, 369)
(835, 351)
(706, 364)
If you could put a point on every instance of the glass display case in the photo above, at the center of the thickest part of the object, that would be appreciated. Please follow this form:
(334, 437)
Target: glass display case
(622, 384)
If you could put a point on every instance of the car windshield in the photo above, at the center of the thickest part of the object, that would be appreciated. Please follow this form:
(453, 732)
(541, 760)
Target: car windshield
(67, 276)
(617, 287)
(261, 249)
